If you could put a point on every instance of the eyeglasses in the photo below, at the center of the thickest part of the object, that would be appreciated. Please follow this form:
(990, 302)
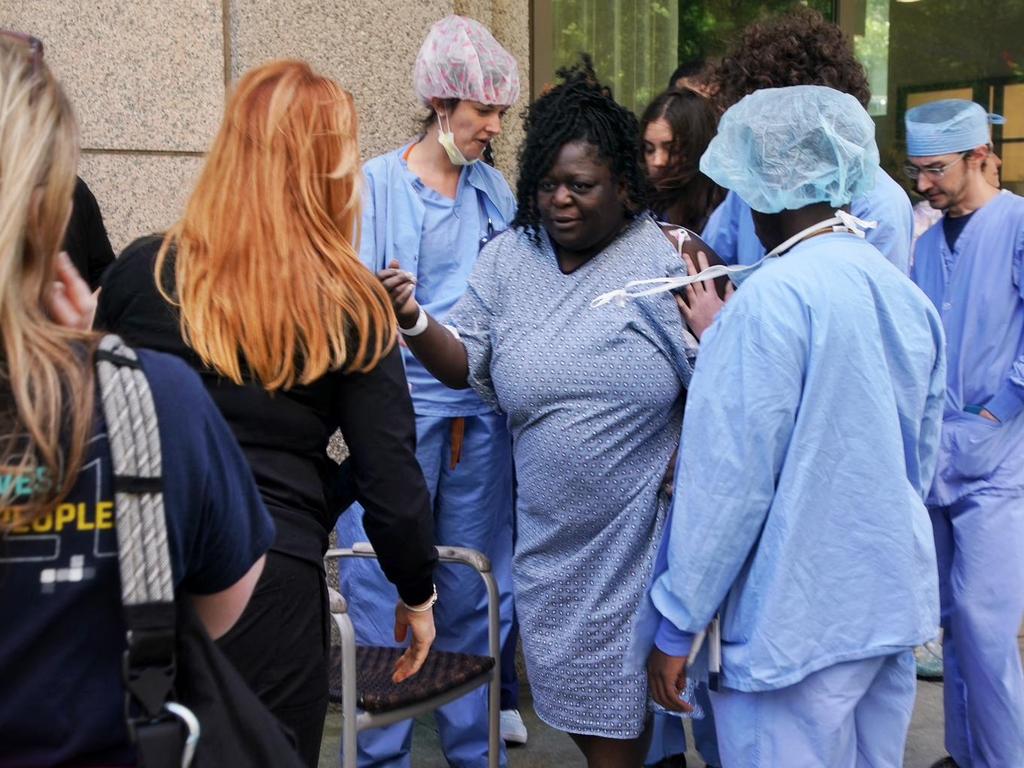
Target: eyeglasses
(934, 172)
(35, 46)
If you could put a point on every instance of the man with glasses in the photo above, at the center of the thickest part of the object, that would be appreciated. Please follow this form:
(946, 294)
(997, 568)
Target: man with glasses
(971, 268)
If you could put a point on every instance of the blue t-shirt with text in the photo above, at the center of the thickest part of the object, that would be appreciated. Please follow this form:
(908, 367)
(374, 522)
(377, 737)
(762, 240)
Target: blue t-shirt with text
(61, 697)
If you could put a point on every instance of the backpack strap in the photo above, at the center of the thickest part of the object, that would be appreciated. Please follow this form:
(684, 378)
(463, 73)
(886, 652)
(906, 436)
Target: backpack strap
(147, 582)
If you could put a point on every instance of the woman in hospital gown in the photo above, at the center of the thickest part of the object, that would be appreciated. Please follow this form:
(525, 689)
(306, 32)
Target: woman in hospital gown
(593, 399)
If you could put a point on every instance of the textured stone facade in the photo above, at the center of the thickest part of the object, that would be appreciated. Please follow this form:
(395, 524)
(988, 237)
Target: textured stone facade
(148, 79)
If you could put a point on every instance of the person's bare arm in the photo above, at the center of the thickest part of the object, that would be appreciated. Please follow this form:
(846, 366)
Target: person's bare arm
(437, 348)
(221, 610)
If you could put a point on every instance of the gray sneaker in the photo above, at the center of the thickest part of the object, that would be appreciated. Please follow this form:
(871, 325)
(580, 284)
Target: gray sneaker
(513, 729)
(929, 660)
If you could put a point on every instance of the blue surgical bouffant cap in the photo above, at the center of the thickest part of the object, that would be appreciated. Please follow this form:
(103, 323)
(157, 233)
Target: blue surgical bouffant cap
(786, 148)
(950, 125)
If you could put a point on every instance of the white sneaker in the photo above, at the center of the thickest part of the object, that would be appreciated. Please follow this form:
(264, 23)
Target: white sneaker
(513, 729)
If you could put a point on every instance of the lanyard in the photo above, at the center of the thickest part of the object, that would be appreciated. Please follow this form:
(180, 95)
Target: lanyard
(635, 289)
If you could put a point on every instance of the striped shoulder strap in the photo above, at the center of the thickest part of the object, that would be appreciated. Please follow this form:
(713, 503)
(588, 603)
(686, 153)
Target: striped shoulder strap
(134, 438)
(147, 583)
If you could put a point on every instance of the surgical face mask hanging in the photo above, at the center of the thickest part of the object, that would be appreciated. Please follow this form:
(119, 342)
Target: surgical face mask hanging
(635, 289)
(447, 140)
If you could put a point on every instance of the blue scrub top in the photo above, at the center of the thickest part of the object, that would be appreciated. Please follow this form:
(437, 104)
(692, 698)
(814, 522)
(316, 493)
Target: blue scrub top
(809, 441)
(437, 239)
(979, 293)
(730, 229)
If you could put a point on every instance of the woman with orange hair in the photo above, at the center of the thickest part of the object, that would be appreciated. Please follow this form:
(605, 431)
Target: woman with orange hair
(259, 288)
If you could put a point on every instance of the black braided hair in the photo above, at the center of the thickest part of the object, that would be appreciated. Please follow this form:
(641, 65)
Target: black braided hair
(578, 108)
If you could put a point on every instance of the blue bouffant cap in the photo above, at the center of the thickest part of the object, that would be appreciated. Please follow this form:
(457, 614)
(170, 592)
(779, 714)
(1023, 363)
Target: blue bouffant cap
(787, 148)
(950, 125)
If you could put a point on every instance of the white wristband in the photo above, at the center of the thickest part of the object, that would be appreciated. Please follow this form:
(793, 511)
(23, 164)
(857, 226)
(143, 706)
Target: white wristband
(418, 327)
(424, 607)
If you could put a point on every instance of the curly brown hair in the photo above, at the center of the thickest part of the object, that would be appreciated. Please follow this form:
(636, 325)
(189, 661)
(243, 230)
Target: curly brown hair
(798, 47)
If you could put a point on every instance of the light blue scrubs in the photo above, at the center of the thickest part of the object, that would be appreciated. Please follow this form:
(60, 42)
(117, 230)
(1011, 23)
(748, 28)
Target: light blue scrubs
(977, 501)
(730, 230)
(865, 724)
(809, 441)
(438, 239)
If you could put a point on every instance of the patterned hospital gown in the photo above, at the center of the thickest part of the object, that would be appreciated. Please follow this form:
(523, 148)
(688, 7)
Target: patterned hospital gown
(593, 399)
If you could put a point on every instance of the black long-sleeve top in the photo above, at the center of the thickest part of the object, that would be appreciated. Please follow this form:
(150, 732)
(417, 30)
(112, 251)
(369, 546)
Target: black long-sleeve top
(86, 240)
(284, 435)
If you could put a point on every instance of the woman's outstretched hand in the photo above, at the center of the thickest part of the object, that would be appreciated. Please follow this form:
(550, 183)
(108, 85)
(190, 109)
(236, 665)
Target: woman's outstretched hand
(401, 288)
(422, 625)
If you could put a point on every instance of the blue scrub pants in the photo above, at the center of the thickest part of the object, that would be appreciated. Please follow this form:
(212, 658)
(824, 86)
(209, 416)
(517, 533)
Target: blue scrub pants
(472, 508)
(850, 715)
(979, 543)
(669, 737)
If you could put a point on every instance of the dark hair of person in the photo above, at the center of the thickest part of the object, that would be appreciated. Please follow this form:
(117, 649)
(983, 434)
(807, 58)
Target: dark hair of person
(579, 108)
(430, 118)
(691, 68)
(798, 47)
(682, 194)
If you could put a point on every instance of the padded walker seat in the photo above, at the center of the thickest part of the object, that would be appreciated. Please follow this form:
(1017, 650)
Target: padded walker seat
(360, 676)
(441, 673)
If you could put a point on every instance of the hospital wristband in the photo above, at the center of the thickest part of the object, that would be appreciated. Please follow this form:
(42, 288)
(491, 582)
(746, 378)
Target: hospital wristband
(418, 327)
(423, 607)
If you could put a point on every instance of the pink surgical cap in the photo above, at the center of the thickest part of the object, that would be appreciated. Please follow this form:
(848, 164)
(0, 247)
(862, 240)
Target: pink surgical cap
(460, 59)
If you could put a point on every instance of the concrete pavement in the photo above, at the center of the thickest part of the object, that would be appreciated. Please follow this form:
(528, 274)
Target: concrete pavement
(548, 747)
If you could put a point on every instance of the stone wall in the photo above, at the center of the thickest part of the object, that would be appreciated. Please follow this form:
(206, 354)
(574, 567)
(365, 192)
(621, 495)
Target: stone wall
(148, 78)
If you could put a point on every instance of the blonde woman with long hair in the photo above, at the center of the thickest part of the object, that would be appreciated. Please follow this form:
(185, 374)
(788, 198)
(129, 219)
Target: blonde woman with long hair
(63, 637)
(259, 288)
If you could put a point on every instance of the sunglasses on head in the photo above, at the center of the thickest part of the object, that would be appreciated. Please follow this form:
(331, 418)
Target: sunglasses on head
(34, 45)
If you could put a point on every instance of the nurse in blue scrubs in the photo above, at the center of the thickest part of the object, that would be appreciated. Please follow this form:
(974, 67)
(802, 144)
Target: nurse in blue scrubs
(970, 265)
(429, 205)
(809, 442)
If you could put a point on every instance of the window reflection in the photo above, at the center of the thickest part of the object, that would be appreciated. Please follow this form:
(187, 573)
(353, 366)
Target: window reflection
(914, 52)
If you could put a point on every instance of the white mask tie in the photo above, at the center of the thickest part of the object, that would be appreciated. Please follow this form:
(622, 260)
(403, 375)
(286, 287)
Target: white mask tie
(635, 289)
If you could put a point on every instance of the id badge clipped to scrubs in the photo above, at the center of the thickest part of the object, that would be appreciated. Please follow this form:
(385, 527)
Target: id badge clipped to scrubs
(490, 232)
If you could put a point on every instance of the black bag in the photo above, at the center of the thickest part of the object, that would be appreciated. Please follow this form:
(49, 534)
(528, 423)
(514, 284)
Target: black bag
(185, 703)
